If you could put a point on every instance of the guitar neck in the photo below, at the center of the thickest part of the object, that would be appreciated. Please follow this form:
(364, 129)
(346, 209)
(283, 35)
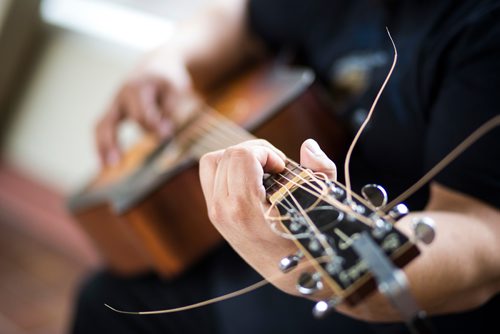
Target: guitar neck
(211, 132)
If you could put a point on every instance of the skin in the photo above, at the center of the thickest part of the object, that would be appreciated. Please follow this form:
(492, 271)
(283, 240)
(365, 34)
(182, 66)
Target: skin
(159, 92)
(458, 271)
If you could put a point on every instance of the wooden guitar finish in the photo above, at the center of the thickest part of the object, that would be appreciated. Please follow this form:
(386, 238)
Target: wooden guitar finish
(148, 213)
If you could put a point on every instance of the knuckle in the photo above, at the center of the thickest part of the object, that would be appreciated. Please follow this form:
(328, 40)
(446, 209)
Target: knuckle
(216, 212)
(224, 211)
(209, 159)
(262, 142)
(238, 152)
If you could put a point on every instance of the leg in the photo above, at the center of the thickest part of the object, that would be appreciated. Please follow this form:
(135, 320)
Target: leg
(140, 293)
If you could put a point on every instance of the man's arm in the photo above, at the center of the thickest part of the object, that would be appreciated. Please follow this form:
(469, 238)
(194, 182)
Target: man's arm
(159, 92)
(458, 271)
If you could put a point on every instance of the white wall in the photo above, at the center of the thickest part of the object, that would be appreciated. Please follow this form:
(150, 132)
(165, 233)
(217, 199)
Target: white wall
(74, 79)
(51, 137)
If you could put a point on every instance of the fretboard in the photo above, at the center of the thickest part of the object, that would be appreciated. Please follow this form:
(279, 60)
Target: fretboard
(279, 185)
(210, 132)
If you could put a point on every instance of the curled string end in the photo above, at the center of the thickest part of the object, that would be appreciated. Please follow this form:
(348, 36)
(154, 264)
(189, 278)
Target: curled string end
(120, 311)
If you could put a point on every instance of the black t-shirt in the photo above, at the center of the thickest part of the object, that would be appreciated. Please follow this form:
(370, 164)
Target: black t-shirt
(445, 85)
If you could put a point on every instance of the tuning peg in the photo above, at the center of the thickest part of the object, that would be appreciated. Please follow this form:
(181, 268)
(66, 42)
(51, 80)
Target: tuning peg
(382, 226)
(336, 191)
(374, 194)
(324, 307)
(308, 283)
(423, 229)
(399, 211)
(291, 261)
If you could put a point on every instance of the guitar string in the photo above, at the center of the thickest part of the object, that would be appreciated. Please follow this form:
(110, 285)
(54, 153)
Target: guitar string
(232, 133)
(230, 130)
(485, 128)
(281, 218)
(327, 248)
(334, 202)
(471, 139)
(313, 228)
(436, 169)
(274, 219)
(319, 237)
(290, 216)
(234, 130)
(367, 119)
(311, 208)
(231, 295)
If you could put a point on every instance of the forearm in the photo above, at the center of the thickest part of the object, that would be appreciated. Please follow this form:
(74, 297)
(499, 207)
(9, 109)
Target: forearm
(460, 269)
(212, 43)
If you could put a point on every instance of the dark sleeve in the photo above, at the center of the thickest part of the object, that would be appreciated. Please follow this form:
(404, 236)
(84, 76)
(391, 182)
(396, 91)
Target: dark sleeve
(286, 24)
(277, 22)
(469, 95)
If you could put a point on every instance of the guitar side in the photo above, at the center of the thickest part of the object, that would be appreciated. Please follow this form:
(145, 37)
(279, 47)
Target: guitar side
(144, 218)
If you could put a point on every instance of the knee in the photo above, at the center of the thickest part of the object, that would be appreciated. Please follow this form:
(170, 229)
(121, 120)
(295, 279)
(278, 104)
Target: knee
(89, 312)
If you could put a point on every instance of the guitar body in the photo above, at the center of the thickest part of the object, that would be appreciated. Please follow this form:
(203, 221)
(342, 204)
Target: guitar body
(148, 213)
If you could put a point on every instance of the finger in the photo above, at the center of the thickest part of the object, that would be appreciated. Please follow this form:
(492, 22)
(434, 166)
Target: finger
(179, 106)
(264, 143)
(207, 171)
(312, 157)
(245, 169)
(106, 136)
(150, 99)
(135, 108)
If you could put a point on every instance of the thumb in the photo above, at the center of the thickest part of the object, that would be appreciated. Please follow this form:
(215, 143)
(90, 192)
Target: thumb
(312, 157)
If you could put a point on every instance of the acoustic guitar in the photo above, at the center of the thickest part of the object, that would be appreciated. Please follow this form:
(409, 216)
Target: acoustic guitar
(148, 212)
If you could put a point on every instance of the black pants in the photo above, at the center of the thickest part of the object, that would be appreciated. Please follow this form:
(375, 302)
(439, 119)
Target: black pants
(266, 310)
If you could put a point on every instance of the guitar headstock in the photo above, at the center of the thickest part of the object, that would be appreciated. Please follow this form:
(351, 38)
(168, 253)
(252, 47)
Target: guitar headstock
(323, 220)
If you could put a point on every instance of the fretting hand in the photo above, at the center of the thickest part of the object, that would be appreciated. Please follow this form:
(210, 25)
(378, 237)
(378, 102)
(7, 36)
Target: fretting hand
(158, 95)
(232, 184)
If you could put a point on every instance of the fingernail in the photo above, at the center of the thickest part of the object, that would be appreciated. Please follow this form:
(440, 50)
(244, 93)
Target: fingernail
(313, 147)
(113, 158)
(164, 128)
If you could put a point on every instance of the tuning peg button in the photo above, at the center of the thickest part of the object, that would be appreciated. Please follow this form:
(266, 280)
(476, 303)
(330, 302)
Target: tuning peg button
(375, 194)
(423, 229)
(324, 307)
(399, 211)
(290, 262)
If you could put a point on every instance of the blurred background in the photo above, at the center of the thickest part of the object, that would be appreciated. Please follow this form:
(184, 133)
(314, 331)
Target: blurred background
(60, 63)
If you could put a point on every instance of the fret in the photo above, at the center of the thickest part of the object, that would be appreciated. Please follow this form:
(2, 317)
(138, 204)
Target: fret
(280, 185)
(214, 132)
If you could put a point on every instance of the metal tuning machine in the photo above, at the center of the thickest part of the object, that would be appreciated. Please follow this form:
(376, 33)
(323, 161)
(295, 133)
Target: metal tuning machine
(399, 211)
(309, 283)
(424, 230)
(289, 262)
(375, 194)
(323, 307)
